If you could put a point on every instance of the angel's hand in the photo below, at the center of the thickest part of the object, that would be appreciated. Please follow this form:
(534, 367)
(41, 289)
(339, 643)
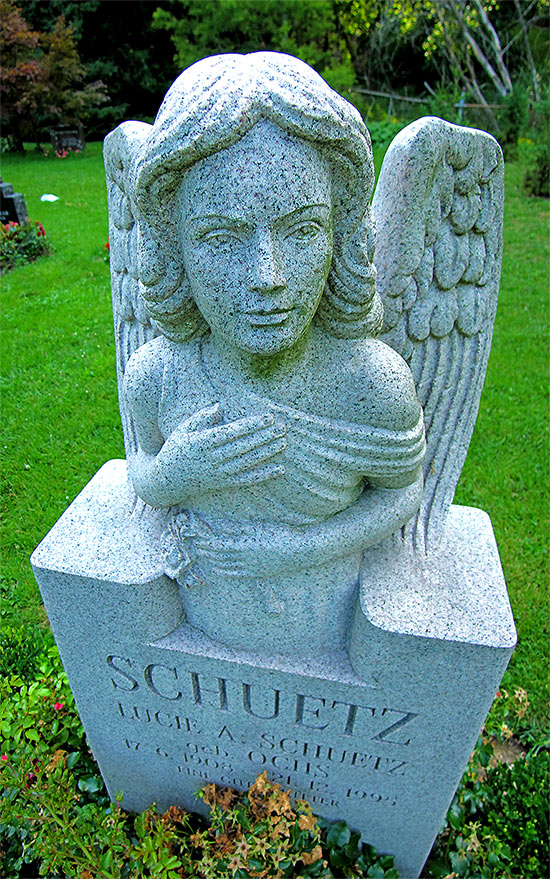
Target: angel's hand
(204, 454)
(249, 549)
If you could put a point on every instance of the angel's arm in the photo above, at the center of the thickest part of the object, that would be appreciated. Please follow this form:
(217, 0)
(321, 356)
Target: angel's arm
(394, 494)
(202, 453)
(268, 549)
(391, 497)
(376, 514)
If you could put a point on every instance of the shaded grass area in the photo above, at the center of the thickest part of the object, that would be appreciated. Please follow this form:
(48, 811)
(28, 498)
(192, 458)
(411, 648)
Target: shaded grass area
(506, 471)
(59, 411)
(60, 419)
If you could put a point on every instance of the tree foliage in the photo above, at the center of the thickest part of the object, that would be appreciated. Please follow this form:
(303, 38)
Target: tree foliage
(119, 46)
(487, 49)
(310, 31)
(461, 37)
(479, 46)
(19, 71)
(41, 78)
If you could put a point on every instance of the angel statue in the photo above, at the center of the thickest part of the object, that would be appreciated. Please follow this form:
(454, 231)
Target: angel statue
(269, 414)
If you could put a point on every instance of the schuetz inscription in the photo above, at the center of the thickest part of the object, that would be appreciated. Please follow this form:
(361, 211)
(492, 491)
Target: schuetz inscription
(297, 709)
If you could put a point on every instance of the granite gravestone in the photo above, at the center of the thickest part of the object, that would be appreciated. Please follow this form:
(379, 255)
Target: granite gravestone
(277, 579)
(68, 138)
(12, 205)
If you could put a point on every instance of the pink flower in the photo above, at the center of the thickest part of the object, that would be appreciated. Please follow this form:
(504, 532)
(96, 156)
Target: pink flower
(4, 758)
(58, 706)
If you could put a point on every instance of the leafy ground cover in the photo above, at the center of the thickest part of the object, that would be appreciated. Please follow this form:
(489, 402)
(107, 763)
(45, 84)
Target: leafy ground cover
(56, 819)
(21, 244)
(60, 423)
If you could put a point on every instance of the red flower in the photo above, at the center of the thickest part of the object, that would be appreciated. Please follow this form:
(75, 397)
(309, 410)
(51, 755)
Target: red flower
(107, 246)
(41, 231)
(4, 757)
(58, 706)
(31, 779)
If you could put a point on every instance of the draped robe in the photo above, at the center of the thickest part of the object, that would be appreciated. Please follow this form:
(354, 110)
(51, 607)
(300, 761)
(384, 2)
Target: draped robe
(327, 465)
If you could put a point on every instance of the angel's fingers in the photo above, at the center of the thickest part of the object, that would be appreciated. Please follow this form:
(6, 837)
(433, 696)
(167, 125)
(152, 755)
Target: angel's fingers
(222, 434)
(252, 458)
(204, 418)
(256, 474)
(231, 573)
(218, 547)
(226, 567)
(256, 441)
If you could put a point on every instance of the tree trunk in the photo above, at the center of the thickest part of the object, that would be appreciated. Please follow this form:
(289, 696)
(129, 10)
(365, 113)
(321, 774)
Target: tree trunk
(528, 51)
(497, 48)
(481, 97)
(482, 59)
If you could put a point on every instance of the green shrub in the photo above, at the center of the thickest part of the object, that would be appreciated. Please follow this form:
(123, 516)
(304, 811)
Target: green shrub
(383, 132)
(514, 120)
(20, 647)
(497, 826)
(498, 822)
(39, 728)
(517, 810)
(21, 243)
(443, 103)
(56, 819)
(510, 716)
(537, 177)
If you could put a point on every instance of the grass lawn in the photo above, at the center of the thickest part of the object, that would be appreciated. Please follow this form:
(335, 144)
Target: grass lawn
(60, 419)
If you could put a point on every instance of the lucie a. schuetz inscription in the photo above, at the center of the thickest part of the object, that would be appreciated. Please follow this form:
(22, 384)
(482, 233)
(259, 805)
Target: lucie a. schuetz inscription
(277, 579)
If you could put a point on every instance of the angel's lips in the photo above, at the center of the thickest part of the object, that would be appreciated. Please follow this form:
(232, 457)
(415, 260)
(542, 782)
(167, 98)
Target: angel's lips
(271, 318)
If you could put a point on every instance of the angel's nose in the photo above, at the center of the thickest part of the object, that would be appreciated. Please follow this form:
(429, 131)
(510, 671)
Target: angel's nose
(266, 273)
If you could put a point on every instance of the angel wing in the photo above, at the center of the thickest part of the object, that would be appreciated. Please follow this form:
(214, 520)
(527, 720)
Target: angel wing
(438, 208)
(132, 324)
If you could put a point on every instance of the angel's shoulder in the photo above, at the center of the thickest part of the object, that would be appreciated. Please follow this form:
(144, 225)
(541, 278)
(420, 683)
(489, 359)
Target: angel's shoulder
(380, 387)
(147, 361)
(144, 373)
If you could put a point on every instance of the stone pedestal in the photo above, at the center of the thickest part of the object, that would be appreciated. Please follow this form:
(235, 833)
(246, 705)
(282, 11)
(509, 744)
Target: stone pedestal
(379, 738)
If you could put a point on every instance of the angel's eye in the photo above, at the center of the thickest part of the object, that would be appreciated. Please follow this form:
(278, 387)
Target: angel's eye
(219, 237)
(304, 232)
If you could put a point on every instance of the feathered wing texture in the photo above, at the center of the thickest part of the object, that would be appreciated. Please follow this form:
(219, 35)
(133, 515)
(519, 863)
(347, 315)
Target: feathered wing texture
(132, 324)
(438, 208)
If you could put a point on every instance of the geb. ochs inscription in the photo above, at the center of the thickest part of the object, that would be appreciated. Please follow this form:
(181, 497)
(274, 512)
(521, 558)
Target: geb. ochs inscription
(211, 762)
(225, 730)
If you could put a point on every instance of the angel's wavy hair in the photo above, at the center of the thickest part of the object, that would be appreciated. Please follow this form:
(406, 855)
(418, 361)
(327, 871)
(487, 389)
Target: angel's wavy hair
(211, 106)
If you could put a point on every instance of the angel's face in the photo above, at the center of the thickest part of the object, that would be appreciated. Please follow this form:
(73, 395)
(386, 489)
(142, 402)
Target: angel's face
(257, 239)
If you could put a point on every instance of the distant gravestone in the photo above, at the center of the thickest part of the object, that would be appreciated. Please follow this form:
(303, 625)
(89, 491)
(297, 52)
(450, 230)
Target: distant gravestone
(66, 138)
(12, 205)
(277, 579)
